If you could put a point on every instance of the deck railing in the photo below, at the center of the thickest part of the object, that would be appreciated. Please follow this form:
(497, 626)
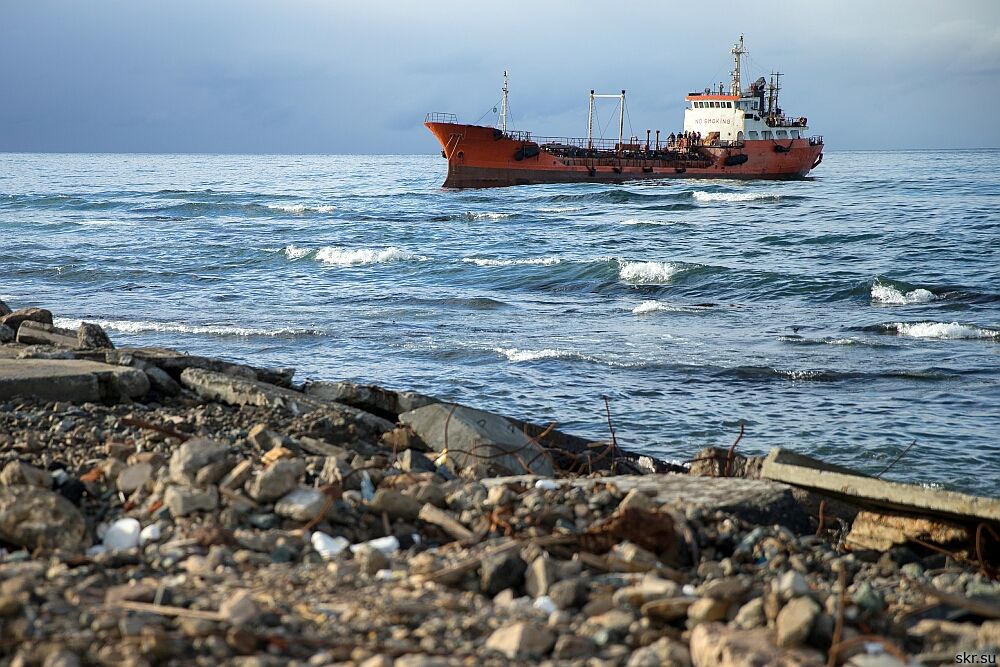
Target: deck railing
(440, 117)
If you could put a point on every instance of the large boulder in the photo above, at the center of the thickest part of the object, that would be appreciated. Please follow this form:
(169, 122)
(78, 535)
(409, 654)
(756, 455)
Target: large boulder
(35, 518)
(90, 336)
(478, 440)
(717, 645)
(69, 380)
(14, 319)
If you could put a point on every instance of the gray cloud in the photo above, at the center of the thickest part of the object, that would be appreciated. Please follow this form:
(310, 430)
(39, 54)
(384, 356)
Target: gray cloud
(314, 76)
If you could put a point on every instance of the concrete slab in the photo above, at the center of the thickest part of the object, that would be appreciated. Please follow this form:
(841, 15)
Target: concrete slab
(754, 500)
(69, 380)
(870, 493)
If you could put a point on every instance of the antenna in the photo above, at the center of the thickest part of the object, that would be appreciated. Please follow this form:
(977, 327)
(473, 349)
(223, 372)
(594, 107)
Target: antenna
(737, 52)
(503, 104)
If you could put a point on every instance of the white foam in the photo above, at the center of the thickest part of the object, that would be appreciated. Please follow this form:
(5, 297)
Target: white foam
(887, 294)
(560, 209)
(293, 251)
(648, 272)
(299, 208)
(647, 307)
(703, 196)
(952, 330)
(488, 216)
(535, 261)
(141, 326)
(358, 256)
(515, 355)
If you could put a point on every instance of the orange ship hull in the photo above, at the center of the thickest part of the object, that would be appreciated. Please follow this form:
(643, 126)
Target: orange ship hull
(481, 156)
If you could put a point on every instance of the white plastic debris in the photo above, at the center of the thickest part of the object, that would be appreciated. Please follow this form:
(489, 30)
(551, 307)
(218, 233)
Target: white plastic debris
(328, 547)
(546, 485)
(688, 590)
(122, 534)
(387, 545)
(96, 550)
(544, 603)
(150, 533)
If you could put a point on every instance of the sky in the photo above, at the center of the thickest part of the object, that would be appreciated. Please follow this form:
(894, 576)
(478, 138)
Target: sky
(312, 76)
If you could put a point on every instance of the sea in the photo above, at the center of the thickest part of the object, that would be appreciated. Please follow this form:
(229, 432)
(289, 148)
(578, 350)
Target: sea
(853, 316)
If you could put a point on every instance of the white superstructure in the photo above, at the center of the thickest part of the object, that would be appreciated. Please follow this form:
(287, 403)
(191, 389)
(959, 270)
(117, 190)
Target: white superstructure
(738, 115)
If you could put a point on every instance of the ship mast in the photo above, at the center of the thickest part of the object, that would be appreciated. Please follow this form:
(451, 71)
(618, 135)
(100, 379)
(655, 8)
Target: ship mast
(738, 52)
(503, 104)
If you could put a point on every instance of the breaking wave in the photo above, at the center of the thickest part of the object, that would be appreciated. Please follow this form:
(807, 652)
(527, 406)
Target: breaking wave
(338, 256)
(883, 293)
(515, 355)
(943, 330)
(703, 196)
(472, 215)
(535, 261)
(649, 273)
(135, 327)
(299, 208)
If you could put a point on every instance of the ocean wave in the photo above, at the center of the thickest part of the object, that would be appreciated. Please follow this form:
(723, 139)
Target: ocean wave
(294, 252)
(486, 215)
(359, 256)
(516, 355)
(887, 294)
(647, 307)
(299, 208)
(650, 273)
(943, 330)
(534, 261)
(645, 222)
(703, 196)
(560, 209)
(134, 327)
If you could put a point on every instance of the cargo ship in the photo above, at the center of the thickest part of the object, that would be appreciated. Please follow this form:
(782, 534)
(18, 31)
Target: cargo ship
(739, 133)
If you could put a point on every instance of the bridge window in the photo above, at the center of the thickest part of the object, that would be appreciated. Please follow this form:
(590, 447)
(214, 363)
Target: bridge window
(782, 133)
(767, 134)
(753, 134)
(795, 134)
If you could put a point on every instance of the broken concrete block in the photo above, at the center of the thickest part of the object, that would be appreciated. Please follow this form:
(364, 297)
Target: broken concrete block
(69, 380)
(38, 333)
(14, 319)
(880, 532)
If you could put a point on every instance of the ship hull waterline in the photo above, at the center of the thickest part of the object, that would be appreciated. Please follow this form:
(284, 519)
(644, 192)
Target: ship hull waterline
(478, 158)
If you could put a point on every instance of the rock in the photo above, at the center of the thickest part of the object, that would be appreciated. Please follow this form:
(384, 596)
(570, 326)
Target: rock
(370, 559)
(522, 640)
(715, 645)
(264, 438)
(376, 400)
(707, 610)
(36, 518)
(665, 652)
(91, 336)
(239, 608)
(175, 363)
(4, 309)
(478, 440)
(275, 480)
(192, 456)
(14, 319)
(37, 333)
(133, 477)
(668, 609)
(540, 576)
(649, 589)
(182, 501)
(795, 620)
(238, 476)
(636, 499)
(122, 535)
(413, 461)
(751, 615)
(726, 588)
(395, 504)
(718, 462)
(501, 571)
(69, 380)
(301, 504)
(61, 658)
(568, 593)
(571, 647)
(792, 584)
(867, 598)
(17, 473)
(880, 532)
(6, 334)
(161, 381)
(244, 391)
